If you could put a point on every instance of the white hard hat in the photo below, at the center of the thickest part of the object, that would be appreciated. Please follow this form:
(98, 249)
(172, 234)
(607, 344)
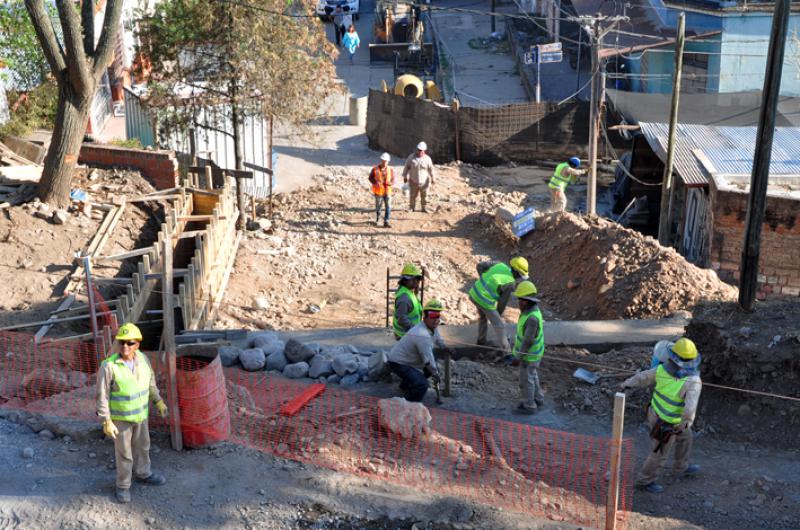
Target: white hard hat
(386, 157)
(422, 146)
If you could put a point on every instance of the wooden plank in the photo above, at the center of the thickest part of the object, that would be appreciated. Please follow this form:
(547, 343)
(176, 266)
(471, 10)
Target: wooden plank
(51, 321)
(266, 170)
(154, 198)
(612, 500)
(220, 292)
(63, 306)
(73, 283)
(125, 255)
(168, 336)
(297, 403)
(190, 218)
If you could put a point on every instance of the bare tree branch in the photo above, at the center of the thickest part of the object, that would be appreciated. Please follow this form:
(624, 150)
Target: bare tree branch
(87, 22)
(47, 37)
(105, 46)
(78, 69)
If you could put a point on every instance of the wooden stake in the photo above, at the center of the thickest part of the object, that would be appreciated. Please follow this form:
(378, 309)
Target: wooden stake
(168, 336)
(612, 500)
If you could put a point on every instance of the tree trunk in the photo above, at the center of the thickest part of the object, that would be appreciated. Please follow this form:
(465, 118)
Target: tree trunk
(62, 156)
(241, 222)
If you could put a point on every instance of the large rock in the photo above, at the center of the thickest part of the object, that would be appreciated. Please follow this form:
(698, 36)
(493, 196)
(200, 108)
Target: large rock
(296, 370)
(297, 352)
(349, 380)
(377, 366)
(321, 366)
(262, 338)
(276, 346)
(409, 420)
(253, 359)
(345, 363)
(277, 361)
(229, 355)
(44, 382)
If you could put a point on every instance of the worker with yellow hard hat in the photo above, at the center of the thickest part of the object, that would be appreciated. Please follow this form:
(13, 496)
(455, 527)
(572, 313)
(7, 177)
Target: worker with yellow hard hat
(126, 385)
(671, 413)
(412, 359)
(491, 293)
(529, 347)
(407, 309)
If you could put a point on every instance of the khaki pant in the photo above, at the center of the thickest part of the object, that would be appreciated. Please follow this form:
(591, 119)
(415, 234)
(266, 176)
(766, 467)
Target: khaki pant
(414, 190)
(655, 460)
(529, 387)
(132, 452)
(558, 200)
(484, 317)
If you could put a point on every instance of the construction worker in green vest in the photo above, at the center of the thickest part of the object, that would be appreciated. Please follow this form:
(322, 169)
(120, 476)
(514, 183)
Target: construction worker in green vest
(126, 385)
(671, 412)
(407, 309)
(529, 347)
(566, 173)
(490, 294)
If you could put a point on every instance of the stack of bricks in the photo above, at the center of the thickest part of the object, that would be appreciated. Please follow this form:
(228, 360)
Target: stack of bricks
(779, 263)
(160, 168)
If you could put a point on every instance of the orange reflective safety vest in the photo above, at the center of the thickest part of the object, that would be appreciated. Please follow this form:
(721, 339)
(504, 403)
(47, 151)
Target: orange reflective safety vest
(382, 180)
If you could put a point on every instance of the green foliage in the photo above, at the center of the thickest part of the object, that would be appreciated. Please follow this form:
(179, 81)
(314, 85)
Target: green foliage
(19, 48)
(132, 143)
(257, 56)
(34, 110)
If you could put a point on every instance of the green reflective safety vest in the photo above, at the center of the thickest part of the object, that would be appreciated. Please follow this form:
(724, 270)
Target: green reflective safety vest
(666, 400)
(485, 292)
(415, 316)
(560, 180)
(129, 402)
(536, 350)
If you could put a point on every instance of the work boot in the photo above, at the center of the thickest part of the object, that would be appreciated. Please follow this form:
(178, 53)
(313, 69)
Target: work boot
(653, 487)
(123, 496)
(539, 402)
(386, 224)
(522, 408)
(153, 480)
(692, 470)
(377, 218)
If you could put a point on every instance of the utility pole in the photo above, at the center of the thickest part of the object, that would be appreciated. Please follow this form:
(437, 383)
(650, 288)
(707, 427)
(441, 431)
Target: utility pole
(598, 27)
(759, 180)
(494, 6)
(665, 219)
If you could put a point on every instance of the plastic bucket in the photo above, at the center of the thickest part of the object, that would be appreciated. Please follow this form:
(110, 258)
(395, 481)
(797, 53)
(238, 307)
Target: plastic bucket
(203, 401)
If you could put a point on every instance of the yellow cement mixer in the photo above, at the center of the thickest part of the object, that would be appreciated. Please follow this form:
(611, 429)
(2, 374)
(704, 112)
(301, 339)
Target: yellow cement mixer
(411, 86)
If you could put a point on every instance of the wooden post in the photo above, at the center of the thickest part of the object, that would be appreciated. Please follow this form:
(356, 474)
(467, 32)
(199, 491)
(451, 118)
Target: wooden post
(594, 122)
(667, 189)
(616, 452)
(209, 180)
(456, 106)
(269, 165)
(87, 267)
(446, 373)
(759, 179)
(168, 338)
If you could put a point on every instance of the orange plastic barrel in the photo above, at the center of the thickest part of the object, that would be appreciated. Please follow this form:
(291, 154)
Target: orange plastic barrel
(203, 401)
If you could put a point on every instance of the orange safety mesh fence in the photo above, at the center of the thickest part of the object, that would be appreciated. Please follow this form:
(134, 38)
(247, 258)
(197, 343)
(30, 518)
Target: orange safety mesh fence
(542, 472)
(105, 317)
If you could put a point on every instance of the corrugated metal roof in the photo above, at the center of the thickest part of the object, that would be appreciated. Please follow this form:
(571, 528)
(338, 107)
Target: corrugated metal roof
(729, 149)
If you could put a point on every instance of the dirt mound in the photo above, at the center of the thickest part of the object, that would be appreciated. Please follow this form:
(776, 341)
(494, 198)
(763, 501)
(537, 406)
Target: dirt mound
(593, 268)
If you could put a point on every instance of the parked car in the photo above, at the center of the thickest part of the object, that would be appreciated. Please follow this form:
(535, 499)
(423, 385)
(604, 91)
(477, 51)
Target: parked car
(325, 8)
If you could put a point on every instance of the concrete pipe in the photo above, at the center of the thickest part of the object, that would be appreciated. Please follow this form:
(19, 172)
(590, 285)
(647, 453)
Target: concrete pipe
(358, 111)
(410, 86)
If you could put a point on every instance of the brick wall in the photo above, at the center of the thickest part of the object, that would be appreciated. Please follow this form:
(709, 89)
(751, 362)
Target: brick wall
(779, 264)
(160, 168)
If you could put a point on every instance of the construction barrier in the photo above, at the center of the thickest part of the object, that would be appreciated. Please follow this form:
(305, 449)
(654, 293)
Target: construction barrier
(542, 472)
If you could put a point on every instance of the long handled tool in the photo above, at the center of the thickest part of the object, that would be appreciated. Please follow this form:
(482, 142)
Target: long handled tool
(438, 392)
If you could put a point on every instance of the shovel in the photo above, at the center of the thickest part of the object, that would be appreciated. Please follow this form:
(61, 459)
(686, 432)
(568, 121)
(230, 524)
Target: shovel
(591, 377)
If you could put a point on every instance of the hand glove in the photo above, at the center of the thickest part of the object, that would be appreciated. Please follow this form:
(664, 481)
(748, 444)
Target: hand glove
(436, 379)
(110, 429)
(427, 370)
(162, 408)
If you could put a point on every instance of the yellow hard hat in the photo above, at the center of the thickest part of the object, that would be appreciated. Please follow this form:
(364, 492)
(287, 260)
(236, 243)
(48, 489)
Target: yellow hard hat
(129, 332)
(526, 289)
(520, 265)
(685, 349)
(411, 270)
(433, 305)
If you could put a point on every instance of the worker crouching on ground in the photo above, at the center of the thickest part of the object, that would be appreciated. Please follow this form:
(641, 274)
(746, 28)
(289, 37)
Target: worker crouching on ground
(529, 347)
(671, 412)
(126, 385)
(382, 179)
(566, 173)
(490, 294)
(412, 358)
(407, 309)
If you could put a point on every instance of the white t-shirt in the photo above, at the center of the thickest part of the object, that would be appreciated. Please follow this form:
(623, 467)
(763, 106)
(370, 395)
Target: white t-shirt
(347, 20)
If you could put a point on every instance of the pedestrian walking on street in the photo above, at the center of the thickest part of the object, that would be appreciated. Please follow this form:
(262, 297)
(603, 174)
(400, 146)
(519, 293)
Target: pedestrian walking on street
(407, 309)
(338, 29)
(126, 385)
(412, 359)
(382, 179)
(529, 347)
(351, 41)
(420, 173)
(491, 293)
(566, 173)
(671, 412)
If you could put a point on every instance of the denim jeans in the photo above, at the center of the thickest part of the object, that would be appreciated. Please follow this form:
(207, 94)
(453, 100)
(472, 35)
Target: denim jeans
(413, 382)
(386, 201)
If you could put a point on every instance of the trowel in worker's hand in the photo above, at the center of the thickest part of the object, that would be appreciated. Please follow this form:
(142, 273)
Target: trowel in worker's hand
(591, 377)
